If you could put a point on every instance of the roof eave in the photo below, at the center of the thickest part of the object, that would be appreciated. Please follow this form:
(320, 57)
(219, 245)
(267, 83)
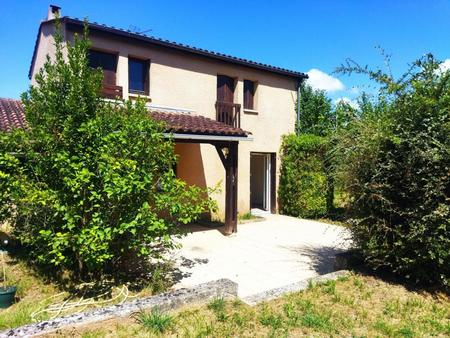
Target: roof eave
(206, 138)
(168, 44)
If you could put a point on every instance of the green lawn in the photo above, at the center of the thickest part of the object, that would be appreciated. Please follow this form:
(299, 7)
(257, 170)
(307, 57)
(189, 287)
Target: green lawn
(355, 306)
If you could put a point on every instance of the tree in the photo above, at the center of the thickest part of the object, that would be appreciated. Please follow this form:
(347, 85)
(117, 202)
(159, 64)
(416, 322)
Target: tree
(395, 163)
(91, 183)
(316, 113)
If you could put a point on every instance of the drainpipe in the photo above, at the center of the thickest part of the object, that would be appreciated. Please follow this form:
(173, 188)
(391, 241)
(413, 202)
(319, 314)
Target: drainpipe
(299, 85)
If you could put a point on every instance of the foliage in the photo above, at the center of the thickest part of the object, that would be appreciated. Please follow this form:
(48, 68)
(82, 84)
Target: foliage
(316, 114)
(395, 164)
(304, 189)
(90, 185)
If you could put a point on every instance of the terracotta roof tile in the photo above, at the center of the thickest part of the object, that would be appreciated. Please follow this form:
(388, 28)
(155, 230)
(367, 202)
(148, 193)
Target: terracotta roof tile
(12, 116)
(196, 124)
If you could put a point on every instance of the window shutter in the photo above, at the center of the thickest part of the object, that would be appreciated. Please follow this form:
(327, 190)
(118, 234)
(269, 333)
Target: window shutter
(147, 78)
(249, 90)
(225, 88)
(107, 62)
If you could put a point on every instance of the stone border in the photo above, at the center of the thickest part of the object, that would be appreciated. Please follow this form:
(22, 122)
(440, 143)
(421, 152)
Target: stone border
(294, 287)
(222, 288)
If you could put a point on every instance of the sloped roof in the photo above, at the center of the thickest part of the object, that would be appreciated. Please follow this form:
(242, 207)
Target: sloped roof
(12, 115)
(196, 124)
(173, 45)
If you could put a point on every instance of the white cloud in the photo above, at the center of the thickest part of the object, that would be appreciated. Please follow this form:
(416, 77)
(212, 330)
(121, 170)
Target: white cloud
(352, 103)
(323, 81)
(444, 65)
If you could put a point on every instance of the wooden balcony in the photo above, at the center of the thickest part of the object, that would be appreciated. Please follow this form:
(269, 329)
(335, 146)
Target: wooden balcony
(228, 113)
(111, 91)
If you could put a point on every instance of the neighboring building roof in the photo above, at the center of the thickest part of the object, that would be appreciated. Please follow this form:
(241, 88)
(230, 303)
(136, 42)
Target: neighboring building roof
(12, 116)
(173, 45)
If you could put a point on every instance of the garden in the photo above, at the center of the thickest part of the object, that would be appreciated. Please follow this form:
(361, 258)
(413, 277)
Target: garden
(90, 205)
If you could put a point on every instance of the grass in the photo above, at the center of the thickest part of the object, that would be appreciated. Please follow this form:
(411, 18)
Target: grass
(34, 293)
(355, 306)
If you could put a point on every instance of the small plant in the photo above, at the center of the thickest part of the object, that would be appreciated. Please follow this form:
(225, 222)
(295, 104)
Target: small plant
(218, 307)
(316, 320)
(268, 318)
(292, 314)
(155, 321)
(247, 216)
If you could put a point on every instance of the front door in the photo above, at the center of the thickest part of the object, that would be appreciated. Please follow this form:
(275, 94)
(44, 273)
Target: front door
(262, 179)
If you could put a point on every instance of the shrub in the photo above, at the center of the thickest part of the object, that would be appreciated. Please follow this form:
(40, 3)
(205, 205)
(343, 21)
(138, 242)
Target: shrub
(91, 183)
(304, 189)
(395, 164)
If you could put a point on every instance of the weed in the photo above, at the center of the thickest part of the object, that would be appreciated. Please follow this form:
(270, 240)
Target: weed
(267, 318)
(383, 327)
(218, 307)
(155, 321)
(405, 332)
(247, 216)
(292, 314)
(316, 321)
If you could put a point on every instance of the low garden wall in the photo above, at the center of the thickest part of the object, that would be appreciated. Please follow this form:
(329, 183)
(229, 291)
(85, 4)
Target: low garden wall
(222, 288)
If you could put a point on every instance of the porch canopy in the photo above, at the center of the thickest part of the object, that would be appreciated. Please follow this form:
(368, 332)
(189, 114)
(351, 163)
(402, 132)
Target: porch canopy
(191, 128)
(185, 127)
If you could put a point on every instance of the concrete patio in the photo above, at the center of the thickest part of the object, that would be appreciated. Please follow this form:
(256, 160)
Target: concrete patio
(263, 255)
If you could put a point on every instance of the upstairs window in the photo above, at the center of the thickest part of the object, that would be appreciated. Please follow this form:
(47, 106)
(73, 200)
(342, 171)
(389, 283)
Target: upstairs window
(107, 62)
(138, 79)
(249, 94)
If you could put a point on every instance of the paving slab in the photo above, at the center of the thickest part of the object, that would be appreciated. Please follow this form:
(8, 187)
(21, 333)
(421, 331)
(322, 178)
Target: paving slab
(262, 256)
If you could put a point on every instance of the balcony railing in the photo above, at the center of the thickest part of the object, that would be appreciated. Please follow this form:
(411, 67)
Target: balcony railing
(228, 113)
(110, 91)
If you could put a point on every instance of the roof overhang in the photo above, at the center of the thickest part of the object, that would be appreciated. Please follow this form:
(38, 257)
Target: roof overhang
(127, 34)
(207, 138)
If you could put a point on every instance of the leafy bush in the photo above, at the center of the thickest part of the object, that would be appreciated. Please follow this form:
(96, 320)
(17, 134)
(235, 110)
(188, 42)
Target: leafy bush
(395, 164)
(304, 181)
(90, 185)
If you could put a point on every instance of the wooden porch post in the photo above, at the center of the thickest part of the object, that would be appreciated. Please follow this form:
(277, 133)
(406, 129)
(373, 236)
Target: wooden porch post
(230, 163)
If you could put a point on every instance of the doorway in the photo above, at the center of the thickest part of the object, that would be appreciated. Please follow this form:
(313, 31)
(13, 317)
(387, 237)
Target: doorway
(262, 181)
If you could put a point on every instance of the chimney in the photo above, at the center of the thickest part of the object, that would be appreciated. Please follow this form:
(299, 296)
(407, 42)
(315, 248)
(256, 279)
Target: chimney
(53, 11)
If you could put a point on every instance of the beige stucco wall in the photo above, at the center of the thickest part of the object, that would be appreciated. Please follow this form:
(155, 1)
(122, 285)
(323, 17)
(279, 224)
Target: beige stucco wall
(188, 81)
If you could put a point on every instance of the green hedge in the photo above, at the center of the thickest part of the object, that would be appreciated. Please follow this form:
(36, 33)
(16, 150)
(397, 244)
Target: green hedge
(305, 187)
(395, 165)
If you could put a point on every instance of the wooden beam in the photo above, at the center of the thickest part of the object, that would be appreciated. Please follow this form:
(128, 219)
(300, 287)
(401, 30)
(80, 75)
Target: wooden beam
(231, 188)
(222, 156)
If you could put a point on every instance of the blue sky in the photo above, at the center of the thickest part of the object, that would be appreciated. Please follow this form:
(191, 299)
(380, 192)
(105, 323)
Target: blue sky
(312, 36)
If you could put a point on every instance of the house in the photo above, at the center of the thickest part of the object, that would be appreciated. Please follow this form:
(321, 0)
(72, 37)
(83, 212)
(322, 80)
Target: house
(224, 113)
